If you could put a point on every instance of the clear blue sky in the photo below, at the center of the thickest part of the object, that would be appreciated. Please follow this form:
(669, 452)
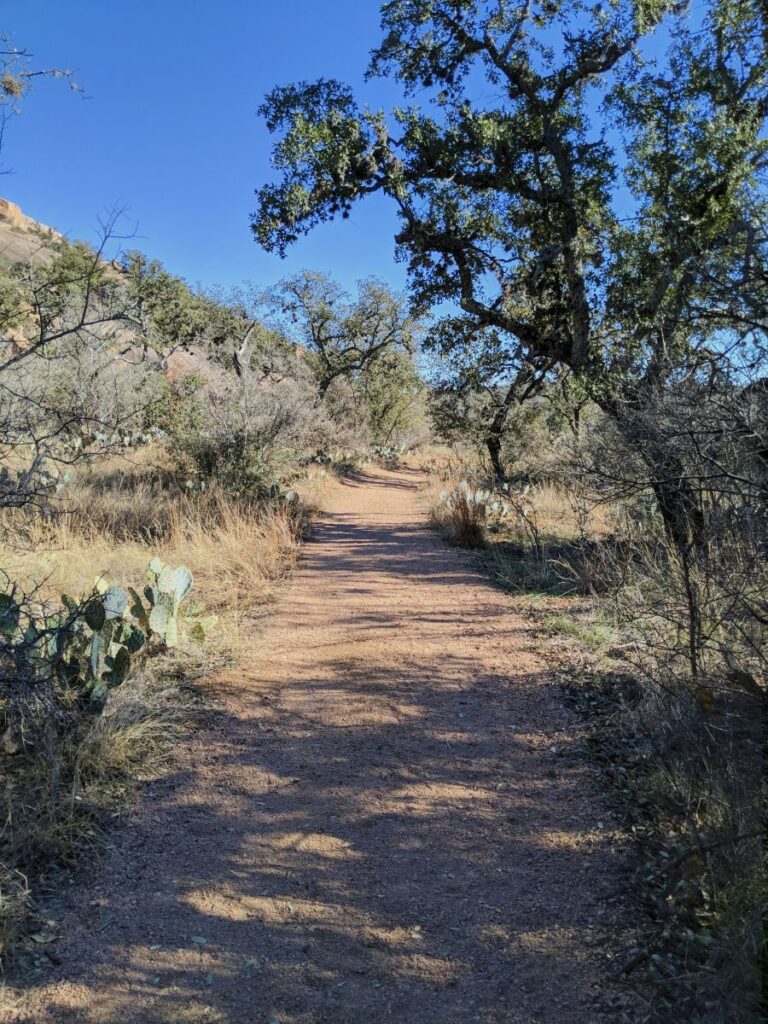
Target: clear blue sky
(169, 129)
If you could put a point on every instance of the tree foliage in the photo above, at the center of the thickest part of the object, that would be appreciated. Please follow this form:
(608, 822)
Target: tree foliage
(340, 336)
(393, 394)
(600, 208)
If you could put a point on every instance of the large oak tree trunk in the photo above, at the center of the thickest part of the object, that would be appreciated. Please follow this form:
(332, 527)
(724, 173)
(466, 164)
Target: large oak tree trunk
(496, 431)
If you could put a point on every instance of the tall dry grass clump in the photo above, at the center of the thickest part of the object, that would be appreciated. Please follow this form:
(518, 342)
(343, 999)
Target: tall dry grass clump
(109, 524)
(238, 550)
(460, 515)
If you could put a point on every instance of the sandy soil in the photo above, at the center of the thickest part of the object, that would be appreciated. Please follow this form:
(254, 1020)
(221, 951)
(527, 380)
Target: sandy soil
(389, 820)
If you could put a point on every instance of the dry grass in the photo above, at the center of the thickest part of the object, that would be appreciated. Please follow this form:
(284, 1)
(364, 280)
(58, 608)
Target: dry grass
(235, 549)
(78, 767)
(561, 514)
(14, 905)
(461, 521)
(129, 741)
(443, 464)
(682, 757)
(75, 770)
(537, 545)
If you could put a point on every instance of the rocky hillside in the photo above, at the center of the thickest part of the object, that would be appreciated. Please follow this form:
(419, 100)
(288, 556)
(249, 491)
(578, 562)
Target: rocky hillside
(22, 239)
(20, 235)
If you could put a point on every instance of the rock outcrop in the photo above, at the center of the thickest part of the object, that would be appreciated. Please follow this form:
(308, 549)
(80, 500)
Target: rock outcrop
(12, 215)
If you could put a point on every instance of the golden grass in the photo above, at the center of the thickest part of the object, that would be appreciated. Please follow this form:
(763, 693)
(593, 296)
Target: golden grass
(78, 769)
(128, 740)
(560, 514)
(443, 463)
(236, 550)
(535, 546)
(462, 522)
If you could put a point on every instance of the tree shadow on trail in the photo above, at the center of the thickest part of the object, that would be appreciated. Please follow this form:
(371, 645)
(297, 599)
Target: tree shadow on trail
(402, 836)
(362, 478)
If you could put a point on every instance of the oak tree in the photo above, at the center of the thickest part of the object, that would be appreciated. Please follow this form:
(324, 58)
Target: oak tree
(581, 185)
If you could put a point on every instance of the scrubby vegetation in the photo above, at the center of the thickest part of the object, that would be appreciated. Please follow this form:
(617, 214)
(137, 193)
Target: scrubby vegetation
(158, 456)
(661, 649)
(590, 237)
(96, 686)
(592, 232)
(661, 646)
(160, 453)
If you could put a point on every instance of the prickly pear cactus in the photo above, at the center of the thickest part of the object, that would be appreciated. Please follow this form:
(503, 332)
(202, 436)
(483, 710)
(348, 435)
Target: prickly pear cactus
(166, 589)
(88, 644)
(93, 643)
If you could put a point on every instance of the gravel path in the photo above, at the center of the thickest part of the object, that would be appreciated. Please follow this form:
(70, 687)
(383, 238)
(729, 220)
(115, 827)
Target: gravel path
(390, 820)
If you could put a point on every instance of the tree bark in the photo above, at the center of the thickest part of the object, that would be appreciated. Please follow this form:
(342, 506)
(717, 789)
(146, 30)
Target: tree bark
(496, 430)
(680, 509)
(678, 501)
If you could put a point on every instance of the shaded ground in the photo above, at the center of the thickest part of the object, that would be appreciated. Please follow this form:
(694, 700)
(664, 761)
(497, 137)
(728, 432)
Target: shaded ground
(390, 820)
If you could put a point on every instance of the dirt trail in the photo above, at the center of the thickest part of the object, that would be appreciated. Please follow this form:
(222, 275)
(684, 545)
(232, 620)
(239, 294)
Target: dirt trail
(389, 821)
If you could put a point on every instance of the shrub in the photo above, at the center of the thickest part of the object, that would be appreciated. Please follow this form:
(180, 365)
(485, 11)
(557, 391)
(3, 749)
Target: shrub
(248, 435)
(59, 667)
